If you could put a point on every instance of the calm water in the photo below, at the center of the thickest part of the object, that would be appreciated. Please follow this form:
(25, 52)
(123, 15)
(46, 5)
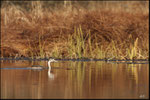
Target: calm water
(85, 80)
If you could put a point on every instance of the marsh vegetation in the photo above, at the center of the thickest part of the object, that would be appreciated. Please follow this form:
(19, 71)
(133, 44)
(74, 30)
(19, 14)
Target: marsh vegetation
(98, 29)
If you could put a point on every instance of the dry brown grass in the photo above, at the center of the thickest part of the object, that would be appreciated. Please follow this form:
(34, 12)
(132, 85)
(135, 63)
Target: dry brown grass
(45, 33)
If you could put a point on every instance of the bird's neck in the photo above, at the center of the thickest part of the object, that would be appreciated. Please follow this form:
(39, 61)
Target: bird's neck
(49, 64)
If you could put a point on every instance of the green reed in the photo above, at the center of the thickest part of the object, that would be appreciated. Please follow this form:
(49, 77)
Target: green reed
(76, 44)
(132, 51)
(80, 45)
(56, 52)
(36, 50)
(85, 45)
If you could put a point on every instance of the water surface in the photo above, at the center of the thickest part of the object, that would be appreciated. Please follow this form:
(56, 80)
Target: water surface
(92, 79)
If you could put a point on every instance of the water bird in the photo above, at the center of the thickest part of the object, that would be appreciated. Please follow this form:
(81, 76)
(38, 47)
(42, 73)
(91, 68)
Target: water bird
(49, 70)
(49, 62)
(41, 67)
(36, 67)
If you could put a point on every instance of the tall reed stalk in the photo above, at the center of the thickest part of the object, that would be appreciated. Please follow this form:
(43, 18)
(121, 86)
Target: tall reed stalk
(132, 50)
(77, 44)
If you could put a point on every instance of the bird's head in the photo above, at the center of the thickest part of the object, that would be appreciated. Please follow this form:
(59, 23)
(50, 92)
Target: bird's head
(52, 60)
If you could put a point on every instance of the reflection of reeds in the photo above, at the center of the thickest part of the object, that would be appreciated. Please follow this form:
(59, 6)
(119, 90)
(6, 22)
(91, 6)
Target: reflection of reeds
(132, 69)
(97, 76)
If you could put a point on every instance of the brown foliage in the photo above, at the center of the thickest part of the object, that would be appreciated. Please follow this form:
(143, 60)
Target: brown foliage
(22, 31)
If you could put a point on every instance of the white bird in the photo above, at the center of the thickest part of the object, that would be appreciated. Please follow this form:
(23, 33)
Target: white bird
(51, 60)
(49, 70)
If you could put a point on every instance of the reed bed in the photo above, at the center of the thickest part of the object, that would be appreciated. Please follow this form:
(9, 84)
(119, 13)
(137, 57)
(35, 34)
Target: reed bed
(75, 32)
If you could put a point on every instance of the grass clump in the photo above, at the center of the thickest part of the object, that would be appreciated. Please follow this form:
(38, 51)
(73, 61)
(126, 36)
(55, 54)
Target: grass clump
(77, 44)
